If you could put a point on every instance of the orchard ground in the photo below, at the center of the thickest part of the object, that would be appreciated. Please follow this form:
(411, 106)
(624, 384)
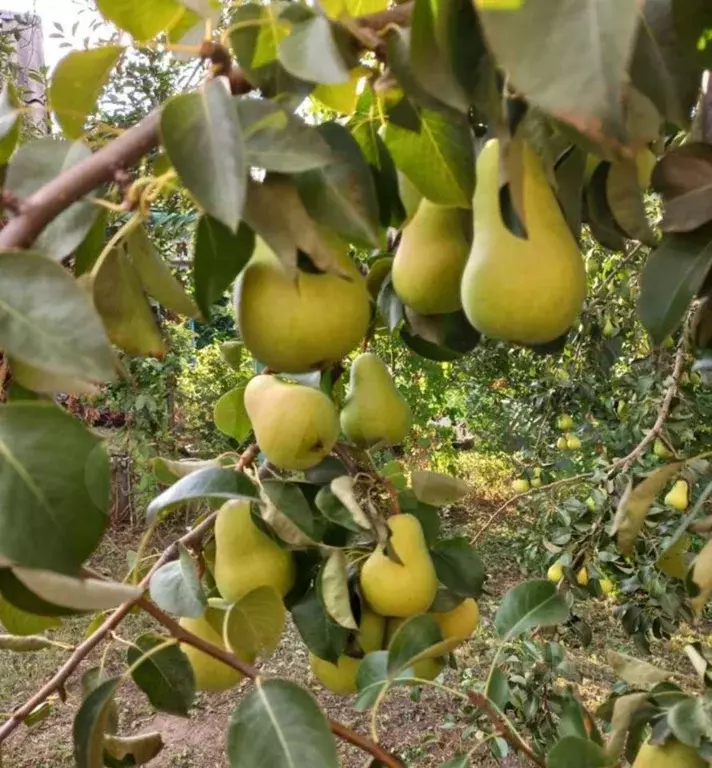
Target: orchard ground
(424, 733)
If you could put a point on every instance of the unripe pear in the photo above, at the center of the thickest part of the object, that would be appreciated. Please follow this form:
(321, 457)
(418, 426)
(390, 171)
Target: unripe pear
(392, 589)
(674, 754)
(375, 412)
(609, 329)
(660, 449)
(555, 572)
(303, 323)
(245, 557)
(526, 290)
(430, 259)
(561, 443)
(339, 678)
(210, 673)
(677, 496)
(461, 622)
(535, 482)
(582, 577)
(572, 442)
(591, 504)
(295, 426)
(564, 422)
(521, 485)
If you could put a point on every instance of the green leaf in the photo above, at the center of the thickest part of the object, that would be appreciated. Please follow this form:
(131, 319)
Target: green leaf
(334, 510)
(137, 750)
(89, 250)
(168, 471)
(55, 491)
(334, 589)
(428, 517)
(342, 195)
(689, 721)
(438, 159)
(413, 638)
(19, 596)
(457, 761)
(626, 202)
(458, 566)
(35, 164)
(498, 691)
(9, 123)
(311, 53)
(20, 622)
(120, 300)
(576, 752)
(90, 724)
(77, 81)
(140, 19)
(580, 79)
(320, 633)
(528, 605)
(230, 416)
(673, 274)
(290, 501)
(277, 140)
(219, 256)
(210, 483)
(166, 676)
(254, 625)
(53, 327)
(24, 643)
(156, 276)
(202, 138)
(636, 672)
(176, 588)
(635, 503)
(279, 724)
(437, 489)
(373, 676)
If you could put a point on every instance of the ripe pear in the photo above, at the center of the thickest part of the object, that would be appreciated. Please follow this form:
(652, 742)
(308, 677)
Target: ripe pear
(674, 754)
(561, 443)
(461, 622)
(529, 290)
(660, 449)
(303, 323)
(375, 412)
(555, 572)
(607, 585)
(339, 678)
(564, 422)
(372, 631)
(572, 442)
(430, 259)
(295, 426)
(678, 496)
(582, 576)
(521, 485)
(400, 590)
(210, 674)
(245, 557)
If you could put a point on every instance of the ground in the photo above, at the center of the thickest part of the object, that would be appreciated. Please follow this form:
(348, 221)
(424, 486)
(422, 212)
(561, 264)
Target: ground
(426, 733)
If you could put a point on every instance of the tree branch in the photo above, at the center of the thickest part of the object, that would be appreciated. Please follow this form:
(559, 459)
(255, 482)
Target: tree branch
(338, 729)
(84, 649)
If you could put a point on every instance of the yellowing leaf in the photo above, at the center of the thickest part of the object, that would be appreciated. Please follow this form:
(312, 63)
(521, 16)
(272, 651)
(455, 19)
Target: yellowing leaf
(702, 570)
(144, 20)
(672, 562)
(335, 590)
(334, 9)
(341, 97)
(635, 672)
(437, 489)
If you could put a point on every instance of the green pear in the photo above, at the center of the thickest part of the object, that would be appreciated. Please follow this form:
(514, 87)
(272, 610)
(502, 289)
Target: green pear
(430, 259)
(210, 673)
(295, 426)
(245, 557)
(674, 754)
(392, 589)
(660, 449)
(295, 325)
(375, 412)
(529, 290)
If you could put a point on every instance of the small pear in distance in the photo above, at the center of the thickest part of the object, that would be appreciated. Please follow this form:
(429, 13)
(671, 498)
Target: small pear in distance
(430, 259)
(296, 325)
(525, 290)
(245, 557)
(295, 426)
(375, 412)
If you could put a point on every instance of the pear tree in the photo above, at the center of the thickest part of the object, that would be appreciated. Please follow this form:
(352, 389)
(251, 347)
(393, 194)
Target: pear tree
(422, 175)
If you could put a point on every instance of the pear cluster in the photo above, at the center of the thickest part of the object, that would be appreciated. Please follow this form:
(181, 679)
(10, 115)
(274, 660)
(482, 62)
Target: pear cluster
(392, 592)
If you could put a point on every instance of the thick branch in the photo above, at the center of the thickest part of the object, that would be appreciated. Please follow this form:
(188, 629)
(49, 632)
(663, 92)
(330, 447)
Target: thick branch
(338, 729)
(85, 648)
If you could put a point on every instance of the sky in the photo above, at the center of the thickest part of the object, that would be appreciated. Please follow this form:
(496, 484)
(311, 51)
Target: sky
(64, 12)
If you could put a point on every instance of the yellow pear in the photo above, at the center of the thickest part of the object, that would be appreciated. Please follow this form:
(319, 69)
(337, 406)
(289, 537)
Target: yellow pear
(430, 259)
(591, 504)
(523, 290)
(674, 754)
(677, 497)
(375, 412)
(555, 572)
(339, 678)
(302, 323)
(521, 485)
(210, 674)
(460, 622)
(572, 442)
(582, 577)
(660, 449)
(372, 631)
(564, 422)
(607, 585)
(400, 590)
(561, 443)
(295, 426)
(245, 557)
